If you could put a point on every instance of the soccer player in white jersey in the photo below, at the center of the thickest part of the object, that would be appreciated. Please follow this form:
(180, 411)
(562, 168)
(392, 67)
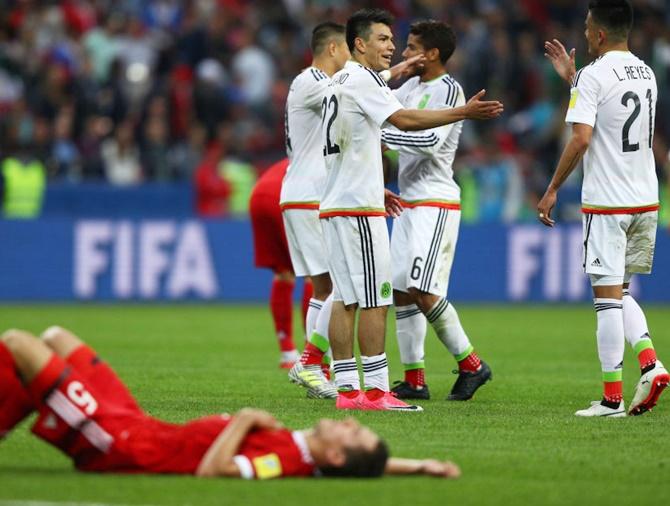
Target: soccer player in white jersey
(358, 102)
(611, 110)
(424, 237)
(300, 195)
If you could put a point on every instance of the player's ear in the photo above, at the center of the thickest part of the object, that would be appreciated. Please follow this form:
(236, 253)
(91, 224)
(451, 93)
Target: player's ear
(335, 456)
(359, 45)
(432, 54)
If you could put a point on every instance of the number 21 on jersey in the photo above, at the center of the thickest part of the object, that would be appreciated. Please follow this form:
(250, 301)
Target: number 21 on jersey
(631, 96)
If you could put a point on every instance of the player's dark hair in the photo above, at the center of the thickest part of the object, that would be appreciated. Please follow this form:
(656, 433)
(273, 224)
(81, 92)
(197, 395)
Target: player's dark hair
(360, 23)
(360, 463)
(616, 16)
(323, 33)
(435, 34)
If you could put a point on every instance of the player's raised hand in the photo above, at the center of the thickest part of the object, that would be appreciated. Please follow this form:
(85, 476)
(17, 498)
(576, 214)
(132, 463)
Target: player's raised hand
(476, 108)
(545, 206)
(563, 62)
(440, 469)
(407, 67)
(392, 203)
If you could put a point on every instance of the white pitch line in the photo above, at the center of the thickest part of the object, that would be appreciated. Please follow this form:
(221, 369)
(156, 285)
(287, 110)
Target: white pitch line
(66, 503)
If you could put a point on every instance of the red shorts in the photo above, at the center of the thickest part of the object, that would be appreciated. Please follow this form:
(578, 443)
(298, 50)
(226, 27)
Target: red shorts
(270, 244)
(87, 412)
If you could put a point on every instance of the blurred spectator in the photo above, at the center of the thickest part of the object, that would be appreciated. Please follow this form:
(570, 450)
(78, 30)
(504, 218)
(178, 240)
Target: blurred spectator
(121, 157)
(65, 159)
(72, 72)
(23, 182)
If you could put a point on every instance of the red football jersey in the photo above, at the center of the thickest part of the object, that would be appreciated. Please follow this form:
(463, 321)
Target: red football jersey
(102, 429)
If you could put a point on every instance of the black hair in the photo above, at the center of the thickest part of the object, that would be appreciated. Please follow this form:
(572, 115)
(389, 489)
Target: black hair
(359, 24)
(360, 463)
(616, 16)
(323, 33)
(435, 34)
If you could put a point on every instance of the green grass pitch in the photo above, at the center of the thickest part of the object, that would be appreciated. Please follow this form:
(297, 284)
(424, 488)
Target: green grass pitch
(517, 442)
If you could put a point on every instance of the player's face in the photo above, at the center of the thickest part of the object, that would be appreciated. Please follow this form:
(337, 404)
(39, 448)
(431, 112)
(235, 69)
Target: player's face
(347, 433)
(379, 47)
(414, 48)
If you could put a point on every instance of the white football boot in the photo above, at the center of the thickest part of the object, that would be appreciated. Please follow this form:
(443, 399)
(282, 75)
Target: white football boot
(597, 409)
(312, 378)
(648, 389)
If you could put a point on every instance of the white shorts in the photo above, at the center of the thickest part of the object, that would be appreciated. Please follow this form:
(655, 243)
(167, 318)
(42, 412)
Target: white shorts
(306, 243)
(617, 244)
(359, 259)
(423, 244)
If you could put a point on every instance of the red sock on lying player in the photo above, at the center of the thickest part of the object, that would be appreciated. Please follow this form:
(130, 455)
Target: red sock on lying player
(15, 403)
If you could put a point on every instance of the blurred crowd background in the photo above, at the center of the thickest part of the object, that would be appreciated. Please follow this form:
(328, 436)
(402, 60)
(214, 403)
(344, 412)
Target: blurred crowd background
(130, 92)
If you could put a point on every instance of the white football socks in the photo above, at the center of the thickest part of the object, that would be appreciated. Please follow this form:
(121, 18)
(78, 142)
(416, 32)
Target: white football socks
(444, 319)
(375, 372)
(610, 333)
(411, 328)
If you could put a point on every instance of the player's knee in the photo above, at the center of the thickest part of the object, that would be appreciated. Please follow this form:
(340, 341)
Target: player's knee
(59, 339)
(16, 340)
(424, 300)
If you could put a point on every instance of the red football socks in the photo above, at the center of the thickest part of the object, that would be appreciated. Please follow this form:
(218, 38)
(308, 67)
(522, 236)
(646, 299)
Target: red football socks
(15, 403)
(613, 391)
(281, 307)
(470, 363)
(416, 377)
(647, 358)
(311, 355)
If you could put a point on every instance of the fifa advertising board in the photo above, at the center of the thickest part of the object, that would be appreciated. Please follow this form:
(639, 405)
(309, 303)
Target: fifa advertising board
(212, 260)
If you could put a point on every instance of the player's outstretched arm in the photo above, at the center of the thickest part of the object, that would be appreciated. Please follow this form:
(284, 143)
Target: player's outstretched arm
(429, 467)
(564, 63)
(404, 68)
(415, 119)
(573, 152)
(218, 461)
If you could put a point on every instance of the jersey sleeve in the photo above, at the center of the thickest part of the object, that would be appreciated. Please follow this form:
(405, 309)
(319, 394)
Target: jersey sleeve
(314, 93)
(424, 142)
(376, 99)
(583, 98)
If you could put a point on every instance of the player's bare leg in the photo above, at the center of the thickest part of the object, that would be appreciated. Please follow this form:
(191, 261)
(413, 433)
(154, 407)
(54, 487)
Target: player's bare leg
(654, 377)
(341, 330)
(29, 353)
(62, 341)
(371, 341)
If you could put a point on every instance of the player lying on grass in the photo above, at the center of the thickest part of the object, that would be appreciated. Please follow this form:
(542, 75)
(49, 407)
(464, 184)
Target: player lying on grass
(88, 413)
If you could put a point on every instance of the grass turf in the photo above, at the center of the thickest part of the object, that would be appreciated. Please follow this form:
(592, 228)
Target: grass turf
(517, 442)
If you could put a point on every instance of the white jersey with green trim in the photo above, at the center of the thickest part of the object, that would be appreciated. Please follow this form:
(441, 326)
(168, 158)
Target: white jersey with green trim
(306, 174)
(356, 105)
(616, 94)
(426, 175)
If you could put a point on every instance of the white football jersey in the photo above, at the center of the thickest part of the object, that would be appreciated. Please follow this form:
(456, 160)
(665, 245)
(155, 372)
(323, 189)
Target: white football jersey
(354, 108)
(306, 174)
(616, 95)
(425, 176)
